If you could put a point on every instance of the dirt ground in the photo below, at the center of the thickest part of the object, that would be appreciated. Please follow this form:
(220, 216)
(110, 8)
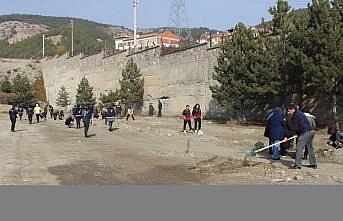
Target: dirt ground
(150, 151)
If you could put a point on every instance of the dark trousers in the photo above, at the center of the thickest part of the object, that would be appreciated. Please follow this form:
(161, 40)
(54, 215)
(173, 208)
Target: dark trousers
(13, 121)
(185, 122)
(110, 125)
(128, 116)
(197, 124)
(37, 117)
(305, 140)
(86, 128)
(78, 122)
(159, 113)
(30, 118)
(20, 116)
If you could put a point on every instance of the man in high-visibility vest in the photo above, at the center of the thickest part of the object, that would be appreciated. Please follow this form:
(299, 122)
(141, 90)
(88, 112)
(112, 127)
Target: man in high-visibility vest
(38, 112)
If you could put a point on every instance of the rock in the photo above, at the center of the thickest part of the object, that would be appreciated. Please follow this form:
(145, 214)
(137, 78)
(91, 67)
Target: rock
(80, 141)
(289, 179)
(283, 172)
(298, 177)
(235, 142)
(169, 135)
(277, 180)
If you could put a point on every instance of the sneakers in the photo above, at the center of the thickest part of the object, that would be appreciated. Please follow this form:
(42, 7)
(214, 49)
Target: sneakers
(185, 131)
(283, 157)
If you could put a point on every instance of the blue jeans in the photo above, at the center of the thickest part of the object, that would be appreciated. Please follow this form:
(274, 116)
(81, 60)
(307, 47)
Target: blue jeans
(276, 150)
(110, 125)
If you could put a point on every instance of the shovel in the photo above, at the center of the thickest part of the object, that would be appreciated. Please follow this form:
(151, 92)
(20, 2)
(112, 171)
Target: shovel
(257, 148)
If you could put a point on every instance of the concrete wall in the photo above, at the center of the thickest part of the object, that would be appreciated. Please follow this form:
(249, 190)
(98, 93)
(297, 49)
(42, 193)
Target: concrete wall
(183, 76)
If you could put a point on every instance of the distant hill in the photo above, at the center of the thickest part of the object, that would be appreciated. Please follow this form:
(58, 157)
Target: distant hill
(21, 35)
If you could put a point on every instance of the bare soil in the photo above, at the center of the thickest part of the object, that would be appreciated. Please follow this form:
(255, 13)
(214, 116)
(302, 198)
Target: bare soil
(150, 151)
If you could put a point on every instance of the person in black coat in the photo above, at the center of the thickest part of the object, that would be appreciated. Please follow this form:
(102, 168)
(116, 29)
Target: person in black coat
(13, 117)
(159, 109)
(29, 112)
(78, 116)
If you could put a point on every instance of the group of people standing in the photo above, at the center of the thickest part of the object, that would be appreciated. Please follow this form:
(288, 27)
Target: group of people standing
(30, 112)
(196, 113)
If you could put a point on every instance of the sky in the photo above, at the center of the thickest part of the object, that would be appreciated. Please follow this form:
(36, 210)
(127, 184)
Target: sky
(217, 14)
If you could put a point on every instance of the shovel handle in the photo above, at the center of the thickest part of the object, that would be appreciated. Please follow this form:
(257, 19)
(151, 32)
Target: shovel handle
(267, 147)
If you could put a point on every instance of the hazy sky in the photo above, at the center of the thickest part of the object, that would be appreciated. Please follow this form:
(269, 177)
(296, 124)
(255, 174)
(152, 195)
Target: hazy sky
(219, 14)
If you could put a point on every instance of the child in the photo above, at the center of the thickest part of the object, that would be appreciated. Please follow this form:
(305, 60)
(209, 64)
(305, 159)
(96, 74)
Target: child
(336, 137)
(187, 119)
(197, 119)
(130, 114)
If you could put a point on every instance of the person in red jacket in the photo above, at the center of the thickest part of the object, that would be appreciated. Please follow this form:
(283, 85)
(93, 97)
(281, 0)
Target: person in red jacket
(197, 119)
(187, 119)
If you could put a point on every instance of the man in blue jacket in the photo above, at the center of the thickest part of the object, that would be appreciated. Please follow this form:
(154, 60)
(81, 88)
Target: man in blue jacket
(306, 133)
(87, 116)
(110, 116)
(276, 132)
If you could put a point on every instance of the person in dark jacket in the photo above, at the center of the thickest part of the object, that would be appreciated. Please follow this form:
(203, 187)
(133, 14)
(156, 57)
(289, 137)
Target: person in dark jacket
(51, 111)
(69, 121)
(306, 133)
(159, 109)
(151, 110)
(29, 112)
(187, 119)
(87, 116)
(312, 119)
(110, 116)
(275, 131)
(20, 112)
(13, 117)
(197, 119)
(78, 117)
(336, 137)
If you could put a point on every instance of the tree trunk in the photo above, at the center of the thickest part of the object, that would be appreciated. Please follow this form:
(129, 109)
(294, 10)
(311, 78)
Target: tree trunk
(243, 115)
(334, 107)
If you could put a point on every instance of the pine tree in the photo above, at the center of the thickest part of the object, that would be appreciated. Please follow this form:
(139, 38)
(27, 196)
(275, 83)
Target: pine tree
(84, 94)
(132, 84)
(242, 72)
(111, 97)
(23, 92)
(281, 48)
(62, 99)
(325, 48)
(6, 86)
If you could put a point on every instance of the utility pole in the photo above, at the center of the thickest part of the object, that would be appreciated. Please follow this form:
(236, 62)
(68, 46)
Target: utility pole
(43, 45)
(72, 38)
(135, 24)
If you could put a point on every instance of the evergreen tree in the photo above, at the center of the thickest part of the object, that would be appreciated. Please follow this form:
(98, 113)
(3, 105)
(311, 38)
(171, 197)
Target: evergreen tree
(242, 72)
(281, 49)
(111, 97)
(6, 86)
(324, 46)
(132, 84)
(22, 91)
(62, 99)
(84, 94)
